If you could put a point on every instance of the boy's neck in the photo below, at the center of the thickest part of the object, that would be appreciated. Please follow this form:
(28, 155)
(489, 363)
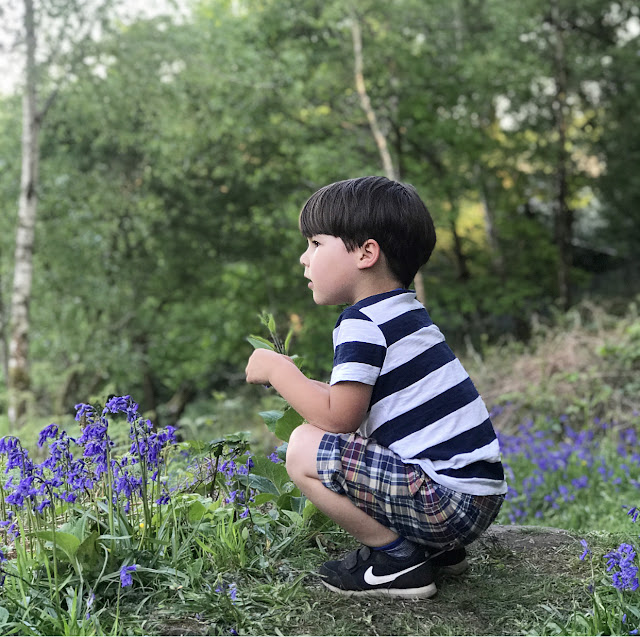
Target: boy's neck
(373, 286)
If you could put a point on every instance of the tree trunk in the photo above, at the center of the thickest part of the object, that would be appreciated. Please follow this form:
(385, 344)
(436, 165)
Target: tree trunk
(4, 358)
(563, 222)
(461, 257)
(490, 225)
(376, 131)
(18, 366)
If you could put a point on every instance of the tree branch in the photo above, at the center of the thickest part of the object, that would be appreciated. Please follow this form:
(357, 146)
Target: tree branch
(365, 102)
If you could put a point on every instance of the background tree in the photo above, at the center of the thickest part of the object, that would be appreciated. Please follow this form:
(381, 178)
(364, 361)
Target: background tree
(70, 27)
(176, 157)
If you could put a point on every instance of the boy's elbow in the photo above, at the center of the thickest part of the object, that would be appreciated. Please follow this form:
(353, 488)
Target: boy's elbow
(342, 423)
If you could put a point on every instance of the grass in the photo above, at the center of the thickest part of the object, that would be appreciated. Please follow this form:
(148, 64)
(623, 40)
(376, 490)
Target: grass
(508, 590)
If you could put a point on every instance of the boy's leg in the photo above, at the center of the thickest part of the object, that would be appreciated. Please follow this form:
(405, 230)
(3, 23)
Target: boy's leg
(395, 567)
(301, 466)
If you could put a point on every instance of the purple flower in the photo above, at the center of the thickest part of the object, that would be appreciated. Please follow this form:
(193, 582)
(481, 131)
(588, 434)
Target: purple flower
(85, 412)
(586, 549)
(232, 591)
(51, 431)
(126, 579)
(164, 498)
(626, 577)
(43, 505)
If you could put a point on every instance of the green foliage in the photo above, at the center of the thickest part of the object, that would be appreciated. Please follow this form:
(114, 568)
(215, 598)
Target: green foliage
(280, 423)
(175, 162)
(209, 513)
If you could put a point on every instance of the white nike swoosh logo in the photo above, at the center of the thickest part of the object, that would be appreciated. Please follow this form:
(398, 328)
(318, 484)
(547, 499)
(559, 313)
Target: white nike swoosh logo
(374, 580)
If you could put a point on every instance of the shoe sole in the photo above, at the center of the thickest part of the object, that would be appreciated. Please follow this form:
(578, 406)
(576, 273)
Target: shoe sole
(423, 592)
(454, 569)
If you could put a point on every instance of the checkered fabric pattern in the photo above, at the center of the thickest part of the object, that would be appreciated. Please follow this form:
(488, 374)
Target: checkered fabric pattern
(401, 496)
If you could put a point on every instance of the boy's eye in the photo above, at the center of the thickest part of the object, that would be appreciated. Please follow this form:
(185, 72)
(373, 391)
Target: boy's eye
(315, 243)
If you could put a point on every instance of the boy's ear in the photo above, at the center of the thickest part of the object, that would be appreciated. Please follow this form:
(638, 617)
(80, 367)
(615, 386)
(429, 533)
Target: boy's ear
(368, 254)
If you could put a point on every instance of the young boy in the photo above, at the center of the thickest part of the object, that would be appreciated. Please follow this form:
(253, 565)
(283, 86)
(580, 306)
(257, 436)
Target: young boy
(398, 449)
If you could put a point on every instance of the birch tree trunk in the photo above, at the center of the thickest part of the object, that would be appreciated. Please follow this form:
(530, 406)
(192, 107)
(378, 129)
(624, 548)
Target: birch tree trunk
(19, 381)
(4, 359)
(376, 131)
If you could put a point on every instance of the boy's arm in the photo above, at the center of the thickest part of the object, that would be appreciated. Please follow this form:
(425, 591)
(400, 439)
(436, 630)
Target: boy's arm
(338, 408)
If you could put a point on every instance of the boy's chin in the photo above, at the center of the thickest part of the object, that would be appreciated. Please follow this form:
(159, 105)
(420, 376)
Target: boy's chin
(320, 300)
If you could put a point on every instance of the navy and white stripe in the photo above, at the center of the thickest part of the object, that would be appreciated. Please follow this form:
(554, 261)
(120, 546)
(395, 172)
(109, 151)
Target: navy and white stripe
(424, 406)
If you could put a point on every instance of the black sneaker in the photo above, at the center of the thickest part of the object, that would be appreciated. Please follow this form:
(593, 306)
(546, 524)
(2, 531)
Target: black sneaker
(367, 572)
(452, 562)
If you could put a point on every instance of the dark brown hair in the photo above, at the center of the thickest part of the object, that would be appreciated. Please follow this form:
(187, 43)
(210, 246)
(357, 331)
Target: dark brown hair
(377, 208)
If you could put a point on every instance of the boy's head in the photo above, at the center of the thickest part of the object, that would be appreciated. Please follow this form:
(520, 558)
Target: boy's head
(377, 208)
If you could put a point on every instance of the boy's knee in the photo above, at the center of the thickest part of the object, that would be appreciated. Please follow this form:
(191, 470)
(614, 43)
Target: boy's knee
(302, 451)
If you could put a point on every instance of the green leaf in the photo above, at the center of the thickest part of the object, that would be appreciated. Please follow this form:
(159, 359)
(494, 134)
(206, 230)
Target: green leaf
(287, 340)
(196, 512)
(275, 472)
(309, 510)
(87, 553)
(271, 418)
(262, 484)
(285, 425)
(67, 542)
(294, 516)
(260, 343)
(284, 502)
(262, 498)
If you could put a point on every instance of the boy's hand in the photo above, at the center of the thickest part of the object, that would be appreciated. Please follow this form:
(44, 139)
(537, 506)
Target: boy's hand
(261, 364)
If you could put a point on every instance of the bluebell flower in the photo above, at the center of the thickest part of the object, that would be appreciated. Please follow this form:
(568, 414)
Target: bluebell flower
(626, 575)
(232, 591)
(633, 513)
(580, 483)
(43, 505)
(117, 404)
(85, 412)
(51, 431)
(126, 579)
(586, 549)
(165, 498)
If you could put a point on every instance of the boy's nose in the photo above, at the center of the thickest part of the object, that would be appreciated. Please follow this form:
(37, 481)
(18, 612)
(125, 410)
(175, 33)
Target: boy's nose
(303, 260)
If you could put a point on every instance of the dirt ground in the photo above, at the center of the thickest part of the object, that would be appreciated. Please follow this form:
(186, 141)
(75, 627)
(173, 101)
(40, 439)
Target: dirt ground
(519, 577)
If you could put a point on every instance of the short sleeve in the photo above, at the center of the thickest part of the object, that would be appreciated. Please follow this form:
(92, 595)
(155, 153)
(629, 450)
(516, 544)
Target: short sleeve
(359, 349)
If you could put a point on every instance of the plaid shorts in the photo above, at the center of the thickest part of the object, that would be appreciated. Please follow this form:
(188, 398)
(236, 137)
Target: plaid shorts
(401, 496)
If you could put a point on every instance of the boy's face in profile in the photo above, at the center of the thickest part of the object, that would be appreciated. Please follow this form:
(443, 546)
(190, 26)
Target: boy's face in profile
(332, 270)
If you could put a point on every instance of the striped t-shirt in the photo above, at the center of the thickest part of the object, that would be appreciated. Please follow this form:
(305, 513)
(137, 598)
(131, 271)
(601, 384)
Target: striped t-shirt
(424, 406)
